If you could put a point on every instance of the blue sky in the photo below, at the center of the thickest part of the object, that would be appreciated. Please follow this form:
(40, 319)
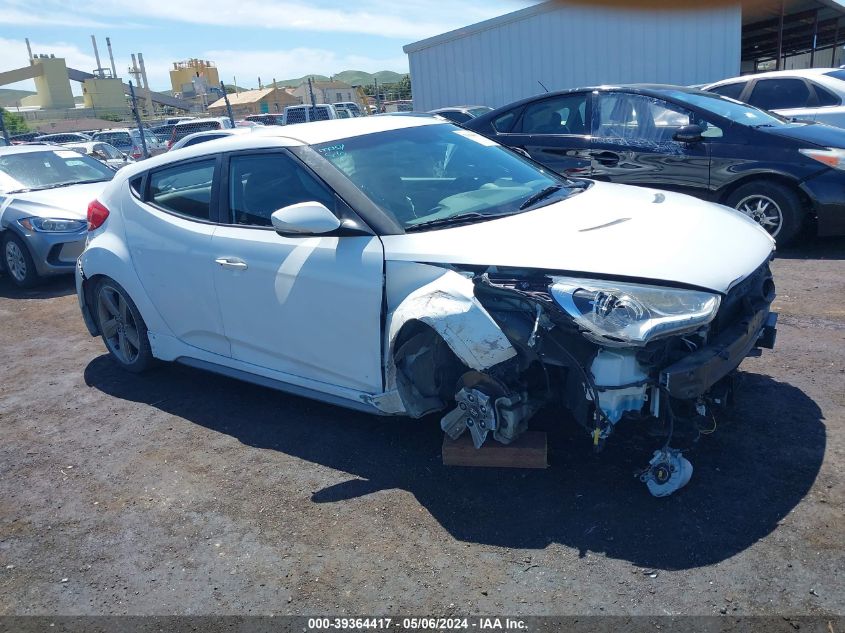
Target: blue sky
(246, 39)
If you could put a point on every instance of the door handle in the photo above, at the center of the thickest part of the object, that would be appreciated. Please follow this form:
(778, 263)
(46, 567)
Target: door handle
(608, 159)
(231, 262)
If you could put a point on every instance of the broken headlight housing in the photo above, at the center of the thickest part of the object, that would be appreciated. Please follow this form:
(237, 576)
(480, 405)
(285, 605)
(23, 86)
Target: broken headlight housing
(617, 314)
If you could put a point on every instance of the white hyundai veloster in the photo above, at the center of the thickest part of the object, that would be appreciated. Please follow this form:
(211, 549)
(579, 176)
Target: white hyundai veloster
(402, 265)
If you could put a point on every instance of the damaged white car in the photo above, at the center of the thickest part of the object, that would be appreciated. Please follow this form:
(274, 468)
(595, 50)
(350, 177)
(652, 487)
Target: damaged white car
(403, 266)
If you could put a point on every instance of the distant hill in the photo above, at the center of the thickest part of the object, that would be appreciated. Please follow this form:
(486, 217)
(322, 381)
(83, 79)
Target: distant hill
(351, 77)
(10, 97)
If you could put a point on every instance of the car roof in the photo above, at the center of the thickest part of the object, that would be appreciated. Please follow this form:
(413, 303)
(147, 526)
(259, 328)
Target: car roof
(29, 149)
(802, 72)
(296, 134)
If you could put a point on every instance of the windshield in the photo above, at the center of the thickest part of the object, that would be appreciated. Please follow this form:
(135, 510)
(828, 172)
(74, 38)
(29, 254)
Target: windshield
(31, 171)
(437, 173)
(736, 111)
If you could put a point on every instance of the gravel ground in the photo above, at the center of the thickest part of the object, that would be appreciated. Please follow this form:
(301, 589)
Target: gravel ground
(180, 492)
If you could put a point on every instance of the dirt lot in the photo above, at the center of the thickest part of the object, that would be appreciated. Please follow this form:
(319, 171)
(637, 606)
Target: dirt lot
(182, 492)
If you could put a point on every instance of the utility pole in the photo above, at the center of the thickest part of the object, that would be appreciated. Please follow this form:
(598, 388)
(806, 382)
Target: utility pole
(313, 101)
(138, 121)
(378, 97)
(228, 105)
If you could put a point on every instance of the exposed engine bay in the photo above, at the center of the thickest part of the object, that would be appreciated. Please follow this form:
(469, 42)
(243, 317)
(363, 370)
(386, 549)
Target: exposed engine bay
(610, 352)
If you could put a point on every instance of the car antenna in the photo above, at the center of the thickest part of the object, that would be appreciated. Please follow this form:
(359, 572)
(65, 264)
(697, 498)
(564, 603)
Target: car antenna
(542, 84)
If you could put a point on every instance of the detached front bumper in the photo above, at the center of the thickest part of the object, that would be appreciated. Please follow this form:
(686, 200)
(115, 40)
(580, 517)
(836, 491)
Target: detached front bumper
(693, 375)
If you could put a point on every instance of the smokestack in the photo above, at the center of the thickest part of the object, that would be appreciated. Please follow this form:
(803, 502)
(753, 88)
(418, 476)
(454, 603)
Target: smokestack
(99, 70)
(143, 71)
(146, 86)
(259, 84)
(28, 50)
(111, 58)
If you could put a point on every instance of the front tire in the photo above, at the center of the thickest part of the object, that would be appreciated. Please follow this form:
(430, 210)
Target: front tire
(775, 207)
(18, 262)
(122, 327)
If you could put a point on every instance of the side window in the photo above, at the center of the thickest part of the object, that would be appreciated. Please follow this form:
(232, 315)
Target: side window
(558, 115)
(775, 94)
(638, 119)
(730, 90)
(262, 183)
(184, 189)
(826, 98)
(504, 123)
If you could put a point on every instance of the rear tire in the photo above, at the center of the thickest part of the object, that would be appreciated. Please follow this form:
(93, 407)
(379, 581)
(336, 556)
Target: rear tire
(775, 207)
(122, 327)
(17, 261)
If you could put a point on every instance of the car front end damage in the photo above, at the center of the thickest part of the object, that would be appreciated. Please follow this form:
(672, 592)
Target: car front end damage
(611, 352)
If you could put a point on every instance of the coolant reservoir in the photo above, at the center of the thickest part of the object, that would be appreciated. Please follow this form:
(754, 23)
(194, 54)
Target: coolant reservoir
(611, 369)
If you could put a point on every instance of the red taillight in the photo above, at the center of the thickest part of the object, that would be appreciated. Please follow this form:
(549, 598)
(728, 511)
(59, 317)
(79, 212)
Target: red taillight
(97, 214)
(136, 152)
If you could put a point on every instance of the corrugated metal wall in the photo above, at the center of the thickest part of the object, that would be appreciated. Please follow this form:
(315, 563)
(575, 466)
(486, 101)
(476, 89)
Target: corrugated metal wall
(571, 46)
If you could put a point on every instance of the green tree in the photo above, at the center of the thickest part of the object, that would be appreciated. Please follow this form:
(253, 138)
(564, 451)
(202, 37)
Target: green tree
(15, 123)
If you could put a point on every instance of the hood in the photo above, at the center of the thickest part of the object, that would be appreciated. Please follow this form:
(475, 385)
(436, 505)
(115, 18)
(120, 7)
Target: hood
(66, 202)
(819, 134)
(607, 230)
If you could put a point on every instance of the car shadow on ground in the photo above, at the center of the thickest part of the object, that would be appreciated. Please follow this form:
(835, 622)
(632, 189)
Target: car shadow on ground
(812, 247)
(60, 286)
(749, 475)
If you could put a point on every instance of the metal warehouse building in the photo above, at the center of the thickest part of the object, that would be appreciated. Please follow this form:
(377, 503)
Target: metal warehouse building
(557, 46)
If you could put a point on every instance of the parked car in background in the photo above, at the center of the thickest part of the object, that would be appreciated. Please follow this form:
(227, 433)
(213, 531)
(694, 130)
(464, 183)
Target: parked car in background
(778, 172)
(44, 196)
(816, 94)
(461, 114)
(402, 265)
(69, 137)
(306, 113)
(267, 119)
(128, 140)
(354, 108)
(26, 137)
(3, 142)
(103, 152)
(163, 132)
(178, 119)
(247, 123)
(343, 113)
(181, 130)
(209, 135)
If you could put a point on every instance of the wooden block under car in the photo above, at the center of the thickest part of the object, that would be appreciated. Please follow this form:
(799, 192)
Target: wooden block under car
(529, 451)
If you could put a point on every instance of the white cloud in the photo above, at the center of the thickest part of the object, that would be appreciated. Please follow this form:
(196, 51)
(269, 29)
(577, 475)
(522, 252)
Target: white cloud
(9, 16)
(410, 20)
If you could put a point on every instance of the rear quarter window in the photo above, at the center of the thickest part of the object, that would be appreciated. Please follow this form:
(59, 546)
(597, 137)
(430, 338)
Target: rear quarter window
(184, 189)
(729, 90)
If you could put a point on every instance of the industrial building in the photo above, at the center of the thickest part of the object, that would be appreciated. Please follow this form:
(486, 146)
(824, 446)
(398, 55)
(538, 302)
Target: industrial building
(265, 101)
(326, 92)
(555, 45)
(193, 77)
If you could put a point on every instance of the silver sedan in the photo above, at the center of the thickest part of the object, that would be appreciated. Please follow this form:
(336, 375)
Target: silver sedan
(44, 196)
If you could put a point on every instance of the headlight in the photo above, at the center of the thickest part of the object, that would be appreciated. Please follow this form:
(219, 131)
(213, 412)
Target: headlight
(632, 314)
(832, 156)
(53, 225)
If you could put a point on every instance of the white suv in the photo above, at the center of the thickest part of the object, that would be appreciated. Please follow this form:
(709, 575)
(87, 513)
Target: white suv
(404, 265)
(816, 94)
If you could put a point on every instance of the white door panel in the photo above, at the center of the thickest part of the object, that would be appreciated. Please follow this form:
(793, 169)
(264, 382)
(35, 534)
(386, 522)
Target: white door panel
(173, 258)
(307, 306)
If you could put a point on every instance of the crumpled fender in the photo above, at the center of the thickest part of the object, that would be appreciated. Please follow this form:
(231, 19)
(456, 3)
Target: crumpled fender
(446, 304)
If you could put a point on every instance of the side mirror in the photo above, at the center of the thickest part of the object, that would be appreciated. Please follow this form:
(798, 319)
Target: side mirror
(689, 134)
(304, 218)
